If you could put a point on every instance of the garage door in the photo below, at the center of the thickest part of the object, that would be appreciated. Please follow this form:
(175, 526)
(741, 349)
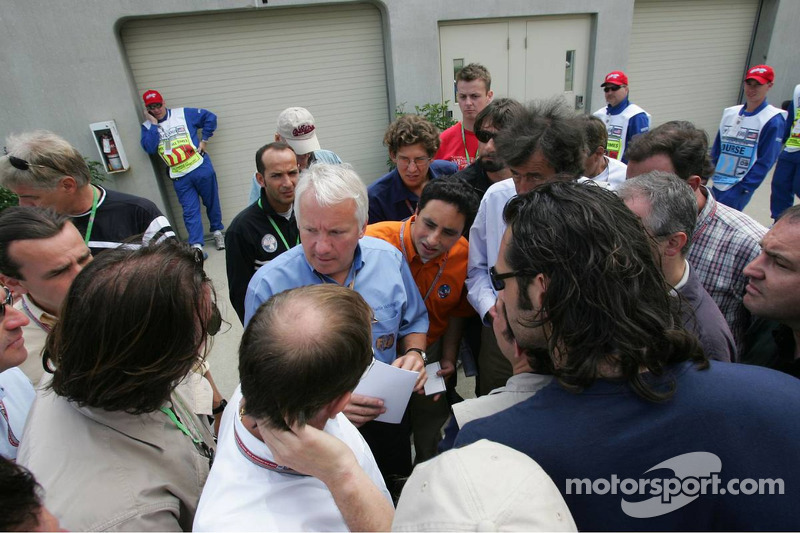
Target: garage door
(688, 57)
(248, 66)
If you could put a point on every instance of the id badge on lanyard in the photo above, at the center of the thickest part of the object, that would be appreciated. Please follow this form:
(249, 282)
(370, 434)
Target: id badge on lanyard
(166, 143)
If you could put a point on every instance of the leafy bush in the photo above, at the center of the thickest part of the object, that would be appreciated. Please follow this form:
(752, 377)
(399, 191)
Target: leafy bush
(96, 169)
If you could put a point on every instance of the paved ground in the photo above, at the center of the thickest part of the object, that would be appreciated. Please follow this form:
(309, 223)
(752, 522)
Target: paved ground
(224, 351)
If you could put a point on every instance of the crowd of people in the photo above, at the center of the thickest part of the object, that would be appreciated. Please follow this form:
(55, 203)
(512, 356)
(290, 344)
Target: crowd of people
(634, 334)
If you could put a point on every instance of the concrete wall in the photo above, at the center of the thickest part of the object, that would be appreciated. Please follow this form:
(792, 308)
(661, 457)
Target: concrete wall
(63, 65)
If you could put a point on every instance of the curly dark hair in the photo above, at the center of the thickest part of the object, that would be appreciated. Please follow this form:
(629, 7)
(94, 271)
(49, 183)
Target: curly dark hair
(411, 129)
(20, 497)
(606, 303)
(133, 325)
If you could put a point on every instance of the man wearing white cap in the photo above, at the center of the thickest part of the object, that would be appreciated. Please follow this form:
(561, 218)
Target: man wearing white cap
(748, 142)
(296, 127)
(624, 120)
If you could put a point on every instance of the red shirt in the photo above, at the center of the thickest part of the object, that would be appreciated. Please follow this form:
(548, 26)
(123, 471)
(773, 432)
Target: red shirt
(448, 293)
(451, 147)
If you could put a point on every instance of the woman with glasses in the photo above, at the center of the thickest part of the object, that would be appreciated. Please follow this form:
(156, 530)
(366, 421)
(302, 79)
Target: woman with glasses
(16, 392)
(112, 441)
(412, 142)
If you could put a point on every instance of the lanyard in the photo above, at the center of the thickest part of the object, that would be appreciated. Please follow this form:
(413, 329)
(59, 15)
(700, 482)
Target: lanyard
(199, 444)
(464, 140)
(12, 439)
(260, 461)
(91, 216)
(274, 225)
(42, 325)
(405, 255)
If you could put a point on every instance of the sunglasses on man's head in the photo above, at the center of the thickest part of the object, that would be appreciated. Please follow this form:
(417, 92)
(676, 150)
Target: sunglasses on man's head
(612, 88)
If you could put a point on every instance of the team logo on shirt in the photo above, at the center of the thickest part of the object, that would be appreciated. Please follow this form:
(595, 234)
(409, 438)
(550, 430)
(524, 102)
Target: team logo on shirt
(269, 243)
(384, 342)
(443, 291)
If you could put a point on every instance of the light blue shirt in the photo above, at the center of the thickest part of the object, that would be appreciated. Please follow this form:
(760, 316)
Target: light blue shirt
(485, 237)
(379, 274)
(17, 394)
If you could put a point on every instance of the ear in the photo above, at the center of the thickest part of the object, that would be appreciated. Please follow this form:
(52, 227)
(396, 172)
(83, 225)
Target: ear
(278, 137)
(393, 157)
(600, 150)
(694, 181)
(490, 94)
(675, 243)
(13, 284)
(68, 184)
(337, 406)
(537, 290)
(363, 229)
(260, 179)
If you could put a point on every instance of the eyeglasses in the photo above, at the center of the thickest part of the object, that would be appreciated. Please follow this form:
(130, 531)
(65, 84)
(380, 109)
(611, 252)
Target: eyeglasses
(497, 279)
(485, 136)
(8, 300)
(612, 88)
(418, 162)
(153, 106)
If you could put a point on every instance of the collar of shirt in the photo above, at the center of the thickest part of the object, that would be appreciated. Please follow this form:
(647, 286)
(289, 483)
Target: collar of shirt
(267, 208)
(40, 316)
(100, 201)
(708, 209)
(399, 191)
(619, 108)
(166, 117)
(674, 291)
(145, 427)
(743, 112)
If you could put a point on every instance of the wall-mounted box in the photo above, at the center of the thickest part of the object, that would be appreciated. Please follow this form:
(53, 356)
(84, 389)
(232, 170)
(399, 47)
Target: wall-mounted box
(109, 145)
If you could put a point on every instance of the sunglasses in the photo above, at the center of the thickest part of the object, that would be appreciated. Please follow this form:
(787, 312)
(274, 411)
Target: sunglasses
(214, 321)
(153, 106)
(612, 88)
(21, 164)
(8, 300)
(497, 279)
(485, 136)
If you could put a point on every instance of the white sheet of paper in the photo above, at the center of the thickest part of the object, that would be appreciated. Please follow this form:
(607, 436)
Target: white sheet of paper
(392, 385)
(434, 384)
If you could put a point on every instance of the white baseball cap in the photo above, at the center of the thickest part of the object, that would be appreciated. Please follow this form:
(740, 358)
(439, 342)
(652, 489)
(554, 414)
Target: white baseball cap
(485, 486)
(296, 126)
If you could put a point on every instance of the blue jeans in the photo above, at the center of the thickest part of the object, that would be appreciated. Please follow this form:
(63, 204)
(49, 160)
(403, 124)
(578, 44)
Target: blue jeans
(785, 183)
(197, 184)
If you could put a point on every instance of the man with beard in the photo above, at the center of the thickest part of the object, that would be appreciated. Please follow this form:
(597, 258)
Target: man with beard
(489, 168)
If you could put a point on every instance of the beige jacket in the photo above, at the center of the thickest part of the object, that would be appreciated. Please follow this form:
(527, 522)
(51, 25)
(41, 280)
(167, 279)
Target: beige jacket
(113, 471)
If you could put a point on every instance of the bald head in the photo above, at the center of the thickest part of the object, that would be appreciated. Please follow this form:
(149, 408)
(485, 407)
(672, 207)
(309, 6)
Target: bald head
(303, 349)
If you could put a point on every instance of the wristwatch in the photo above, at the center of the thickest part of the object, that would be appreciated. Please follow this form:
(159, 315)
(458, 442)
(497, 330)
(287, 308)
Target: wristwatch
(419, 351)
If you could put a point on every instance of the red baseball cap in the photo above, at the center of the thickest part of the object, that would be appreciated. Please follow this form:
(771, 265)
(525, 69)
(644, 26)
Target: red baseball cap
(616, 77)
(763, 74)
(152, 97)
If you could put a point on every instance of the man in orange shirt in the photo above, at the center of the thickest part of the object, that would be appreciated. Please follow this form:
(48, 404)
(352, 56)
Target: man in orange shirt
(433, 244)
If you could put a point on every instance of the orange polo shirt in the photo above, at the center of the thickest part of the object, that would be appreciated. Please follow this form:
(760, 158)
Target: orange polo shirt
(448, 295)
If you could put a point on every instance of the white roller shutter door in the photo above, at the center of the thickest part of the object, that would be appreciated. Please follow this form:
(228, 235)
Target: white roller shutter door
(687, 57)
(247, 66)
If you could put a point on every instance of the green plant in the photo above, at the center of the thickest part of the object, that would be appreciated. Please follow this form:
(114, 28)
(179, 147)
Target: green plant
(96, 169)
(437, 114)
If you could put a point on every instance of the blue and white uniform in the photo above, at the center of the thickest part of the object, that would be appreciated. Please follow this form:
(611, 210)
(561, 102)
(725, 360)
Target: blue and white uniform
(624, 121)
(786, 179)
(379, 273)
(175, 140)
(746, 147)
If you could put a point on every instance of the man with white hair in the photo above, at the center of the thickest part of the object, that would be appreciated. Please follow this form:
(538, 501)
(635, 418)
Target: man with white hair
(331, 207)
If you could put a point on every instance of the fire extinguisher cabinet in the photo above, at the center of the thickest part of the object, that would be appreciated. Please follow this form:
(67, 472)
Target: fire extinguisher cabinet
(109, 145)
